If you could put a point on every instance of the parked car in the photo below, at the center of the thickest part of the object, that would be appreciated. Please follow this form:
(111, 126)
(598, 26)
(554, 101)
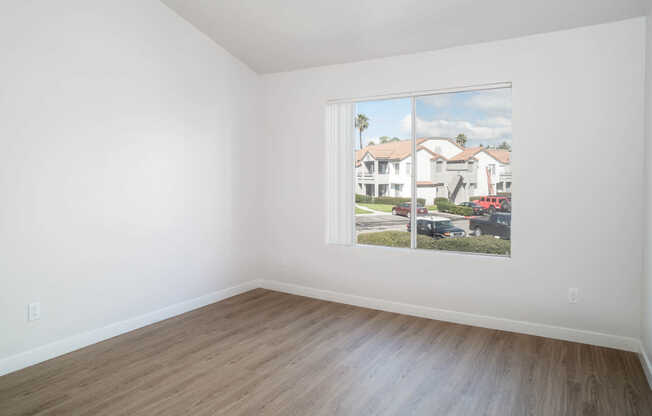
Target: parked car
(477, 209)
(498, 224)
(437, 227)
(493, 204)
(404, 209)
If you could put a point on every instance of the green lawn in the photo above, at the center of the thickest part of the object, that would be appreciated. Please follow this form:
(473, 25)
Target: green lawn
(485, 244)
(388, 208)
(378, 207)
(361, 211)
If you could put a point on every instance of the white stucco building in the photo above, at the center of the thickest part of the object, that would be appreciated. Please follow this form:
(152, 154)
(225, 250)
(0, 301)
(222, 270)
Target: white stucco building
(444, 169)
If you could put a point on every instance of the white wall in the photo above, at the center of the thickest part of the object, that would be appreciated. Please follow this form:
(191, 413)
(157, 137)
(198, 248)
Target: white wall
(578, 101)
(646, 310)
(123, 183)
(132, 163)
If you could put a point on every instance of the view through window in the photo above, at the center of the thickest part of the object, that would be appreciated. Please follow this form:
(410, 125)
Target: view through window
(456, 165)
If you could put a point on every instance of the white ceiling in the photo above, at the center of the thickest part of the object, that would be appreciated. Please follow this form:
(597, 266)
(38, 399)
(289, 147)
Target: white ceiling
(282, 35)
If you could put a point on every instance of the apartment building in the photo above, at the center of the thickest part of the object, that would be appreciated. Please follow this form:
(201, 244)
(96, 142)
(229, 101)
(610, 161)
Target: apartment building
(443, 169)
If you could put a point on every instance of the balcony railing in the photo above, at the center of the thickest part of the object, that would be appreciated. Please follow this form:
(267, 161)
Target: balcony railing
(369, 177)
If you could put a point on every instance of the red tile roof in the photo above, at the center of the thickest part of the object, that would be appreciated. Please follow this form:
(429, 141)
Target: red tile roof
(399, 150)
(501, 155)
(396, 150)
(467, 154)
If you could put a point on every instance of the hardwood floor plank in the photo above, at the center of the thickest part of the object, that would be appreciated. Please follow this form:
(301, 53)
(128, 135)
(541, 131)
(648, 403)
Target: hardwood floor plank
(270, 353)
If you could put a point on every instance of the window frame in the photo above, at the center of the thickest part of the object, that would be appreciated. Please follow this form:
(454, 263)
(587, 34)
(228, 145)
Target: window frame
(412, 168)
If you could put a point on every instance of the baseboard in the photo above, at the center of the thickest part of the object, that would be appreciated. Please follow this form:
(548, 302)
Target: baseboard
(75, 342)
(646, 364)
(64, 346)
(530, 328)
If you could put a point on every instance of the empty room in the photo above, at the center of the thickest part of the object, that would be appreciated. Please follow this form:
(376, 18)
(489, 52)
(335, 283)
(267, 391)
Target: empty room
(299, 207)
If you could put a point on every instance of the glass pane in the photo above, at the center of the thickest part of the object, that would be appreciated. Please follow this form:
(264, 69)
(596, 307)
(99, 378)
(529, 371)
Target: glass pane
(383, 172)
(464, 174)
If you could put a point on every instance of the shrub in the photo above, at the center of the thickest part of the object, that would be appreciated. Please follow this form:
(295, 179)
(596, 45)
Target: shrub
(388, 200)
(485, 244)
(464, 211)
(386, 238)
(391, 239)
(454, 209)
(441, 200)
(444, 206)
(363, 198)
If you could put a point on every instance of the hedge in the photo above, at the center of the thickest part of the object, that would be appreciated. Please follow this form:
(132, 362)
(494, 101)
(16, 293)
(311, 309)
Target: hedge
(485, 244)
(464, 211)
(445, 206)
(391, 239)
(389, 200)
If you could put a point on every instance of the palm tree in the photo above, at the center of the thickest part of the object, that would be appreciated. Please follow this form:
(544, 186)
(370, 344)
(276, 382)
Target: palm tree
(361, 123)
(461, 139)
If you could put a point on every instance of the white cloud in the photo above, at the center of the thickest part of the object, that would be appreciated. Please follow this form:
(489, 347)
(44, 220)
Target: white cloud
(437, 101)
(494, 102)
(491, 129)
(367, 140)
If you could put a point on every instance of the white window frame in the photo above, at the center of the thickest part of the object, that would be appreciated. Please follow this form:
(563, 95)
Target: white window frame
(411, 167)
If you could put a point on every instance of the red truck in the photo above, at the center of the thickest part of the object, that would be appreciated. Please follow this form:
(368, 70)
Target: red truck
(492, 204)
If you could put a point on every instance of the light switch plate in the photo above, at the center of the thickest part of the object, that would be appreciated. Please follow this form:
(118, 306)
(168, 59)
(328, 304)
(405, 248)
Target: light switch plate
(34, 311)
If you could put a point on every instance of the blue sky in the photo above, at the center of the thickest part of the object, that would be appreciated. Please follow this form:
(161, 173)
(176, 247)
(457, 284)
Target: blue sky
(484, 116)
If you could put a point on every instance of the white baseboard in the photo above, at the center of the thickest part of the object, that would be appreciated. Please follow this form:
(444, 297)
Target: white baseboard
(530, 328)
(66, 345)
(75, 342)
(646, 364)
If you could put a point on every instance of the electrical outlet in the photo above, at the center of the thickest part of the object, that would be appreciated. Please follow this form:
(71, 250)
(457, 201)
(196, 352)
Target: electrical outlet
(573, 295)
(34, 311)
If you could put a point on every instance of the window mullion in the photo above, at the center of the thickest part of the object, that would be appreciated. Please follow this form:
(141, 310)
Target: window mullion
(413, 205)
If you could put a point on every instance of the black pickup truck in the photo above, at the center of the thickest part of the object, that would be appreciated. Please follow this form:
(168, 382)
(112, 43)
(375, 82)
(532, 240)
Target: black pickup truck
(498, 224)
(437, 227)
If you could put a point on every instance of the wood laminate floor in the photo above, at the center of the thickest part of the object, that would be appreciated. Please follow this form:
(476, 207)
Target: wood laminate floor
(269, 353)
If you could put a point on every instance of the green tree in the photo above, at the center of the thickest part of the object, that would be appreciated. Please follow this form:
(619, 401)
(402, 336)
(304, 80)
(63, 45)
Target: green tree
(387, 139)
(371, 143)
(505, 146)
(461, 140)
(362, 124)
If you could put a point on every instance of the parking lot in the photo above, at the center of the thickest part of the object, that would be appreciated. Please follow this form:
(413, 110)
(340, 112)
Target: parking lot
(376, 222)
